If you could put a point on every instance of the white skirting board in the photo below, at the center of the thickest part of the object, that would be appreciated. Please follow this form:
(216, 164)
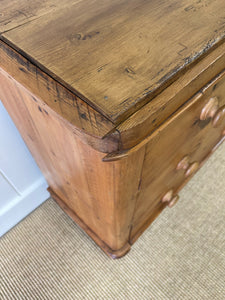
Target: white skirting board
(21, 206)
(22, 185)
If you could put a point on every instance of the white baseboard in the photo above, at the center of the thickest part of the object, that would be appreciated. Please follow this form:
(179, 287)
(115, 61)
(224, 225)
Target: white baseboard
(21, 206)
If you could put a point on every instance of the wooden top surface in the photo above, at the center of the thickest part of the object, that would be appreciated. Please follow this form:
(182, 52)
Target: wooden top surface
(115, 55)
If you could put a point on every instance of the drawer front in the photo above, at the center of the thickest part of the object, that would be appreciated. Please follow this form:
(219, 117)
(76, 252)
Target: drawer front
(176, 151)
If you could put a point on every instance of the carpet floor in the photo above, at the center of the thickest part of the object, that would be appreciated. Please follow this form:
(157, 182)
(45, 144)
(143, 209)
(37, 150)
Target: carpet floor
(180, 256)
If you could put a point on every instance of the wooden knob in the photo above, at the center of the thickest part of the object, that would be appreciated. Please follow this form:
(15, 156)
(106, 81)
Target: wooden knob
(173, 201)
(210, 109)
(223, 132)
(219, 117)
(170, 198)
(192, 169)
(184, 163)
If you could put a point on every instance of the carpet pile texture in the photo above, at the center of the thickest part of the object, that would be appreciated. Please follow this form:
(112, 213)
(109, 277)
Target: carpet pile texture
(180, 256)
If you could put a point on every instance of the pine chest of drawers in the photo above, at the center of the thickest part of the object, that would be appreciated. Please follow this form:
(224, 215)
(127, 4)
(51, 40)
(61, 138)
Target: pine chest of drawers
(120, 102)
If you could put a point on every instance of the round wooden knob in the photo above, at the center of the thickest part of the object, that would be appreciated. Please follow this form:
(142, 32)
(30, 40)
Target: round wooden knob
(184, 163)
(173, 201)
(223, 133)
(192, 169)
(219, 117)
(170, 199)
(210, 109)
(168, 196)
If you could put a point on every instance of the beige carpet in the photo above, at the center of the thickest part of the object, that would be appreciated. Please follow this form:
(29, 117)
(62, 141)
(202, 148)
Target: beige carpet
(181, 256)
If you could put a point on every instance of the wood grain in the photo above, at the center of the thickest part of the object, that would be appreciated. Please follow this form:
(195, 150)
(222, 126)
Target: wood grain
(143, 81)
(88, 124)
(98, 193)
(185, 134)
(110, 252)
(147, 119)
(117, 55)
(15, 13)
(117, 200)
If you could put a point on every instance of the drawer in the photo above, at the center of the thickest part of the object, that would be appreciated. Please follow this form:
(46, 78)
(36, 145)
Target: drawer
(178, 148)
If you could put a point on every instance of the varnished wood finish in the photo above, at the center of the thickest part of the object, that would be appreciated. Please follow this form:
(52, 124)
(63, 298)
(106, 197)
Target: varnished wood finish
(110, 252)
(219, 117)
(190, 168)
(15, 13)
(89, 125)
(210, 109)
(98, 193)
(114, 207)
(142, 123)
(120, 103)
(107, 52)
(88, 122)
(182, 135)
(170, 199)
